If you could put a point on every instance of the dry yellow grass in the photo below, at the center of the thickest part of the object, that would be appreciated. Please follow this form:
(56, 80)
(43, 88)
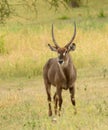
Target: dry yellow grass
(28, 50)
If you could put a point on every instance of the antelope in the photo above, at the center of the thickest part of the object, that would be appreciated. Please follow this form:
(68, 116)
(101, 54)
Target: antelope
(61, 73)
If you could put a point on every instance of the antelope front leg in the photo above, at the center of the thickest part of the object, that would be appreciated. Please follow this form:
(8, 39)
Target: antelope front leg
(55, 103)
(58, 101)
(48, 87)
(72, 94)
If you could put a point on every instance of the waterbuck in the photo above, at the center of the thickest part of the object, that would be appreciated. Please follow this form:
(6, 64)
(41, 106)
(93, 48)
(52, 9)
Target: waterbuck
(61, 73)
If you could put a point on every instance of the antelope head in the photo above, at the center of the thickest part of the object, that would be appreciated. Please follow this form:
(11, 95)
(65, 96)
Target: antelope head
(63, 52)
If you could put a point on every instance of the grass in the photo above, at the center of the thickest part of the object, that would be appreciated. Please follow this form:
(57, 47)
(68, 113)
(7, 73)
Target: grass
(26, 47)
(23, 105)
(24, 51)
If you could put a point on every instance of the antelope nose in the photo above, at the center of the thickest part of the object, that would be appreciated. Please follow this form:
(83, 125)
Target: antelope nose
(60, 61)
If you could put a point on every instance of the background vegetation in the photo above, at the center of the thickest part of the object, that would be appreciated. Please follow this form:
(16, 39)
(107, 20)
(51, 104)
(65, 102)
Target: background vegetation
(23, 42)
(24, 35)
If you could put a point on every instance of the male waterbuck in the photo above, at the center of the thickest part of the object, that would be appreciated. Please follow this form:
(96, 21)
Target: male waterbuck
(61, 73)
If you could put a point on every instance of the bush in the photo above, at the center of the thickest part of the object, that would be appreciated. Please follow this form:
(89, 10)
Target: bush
(4, 10)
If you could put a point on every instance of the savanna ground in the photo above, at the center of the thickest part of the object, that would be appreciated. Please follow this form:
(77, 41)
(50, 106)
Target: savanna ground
(24, 51)
(23, 105)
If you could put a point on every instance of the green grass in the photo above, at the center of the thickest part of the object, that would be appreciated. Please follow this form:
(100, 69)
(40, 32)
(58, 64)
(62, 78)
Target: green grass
(23, 104)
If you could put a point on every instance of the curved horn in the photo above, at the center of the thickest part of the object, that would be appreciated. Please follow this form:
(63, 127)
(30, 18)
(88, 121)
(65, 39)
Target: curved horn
(73, 35)
(54, 38)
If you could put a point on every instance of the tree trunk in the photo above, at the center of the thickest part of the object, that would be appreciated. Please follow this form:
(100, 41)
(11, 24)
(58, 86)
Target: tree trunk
(75, 3)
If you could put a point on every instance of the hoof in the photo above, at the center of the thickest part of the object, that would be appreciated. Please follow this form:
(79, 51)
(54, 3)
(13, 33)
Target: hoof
(54, 119)
(50, 113)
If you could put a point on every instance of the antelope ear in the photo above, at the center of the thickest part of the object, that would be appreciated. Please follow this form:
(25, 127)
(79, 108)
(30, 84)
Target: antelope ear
(52, 48)
(72, 47)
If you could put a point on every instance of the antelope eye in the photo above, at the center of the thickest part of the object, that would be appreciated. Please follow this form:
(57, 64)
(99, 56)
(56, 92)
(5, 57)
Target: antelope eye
(66, 51)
